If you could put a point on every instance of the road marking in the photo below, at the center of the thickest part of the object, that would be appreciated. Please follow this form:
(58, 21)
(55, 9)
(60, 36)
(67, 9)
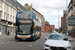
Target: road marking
(30, 45)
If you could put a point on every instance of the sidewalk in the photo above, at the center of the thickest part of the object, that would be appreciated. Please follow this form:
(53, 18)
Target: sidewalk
(6, 35)
(73, 40)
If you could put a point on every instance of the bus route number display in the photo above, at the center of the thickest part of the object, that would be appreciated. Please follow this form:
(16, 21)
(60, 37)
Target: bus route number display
(26, 21)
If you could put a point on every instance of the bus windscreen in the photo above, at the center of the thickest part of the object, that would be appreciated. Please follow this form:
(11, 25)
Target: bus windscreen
(25, 15)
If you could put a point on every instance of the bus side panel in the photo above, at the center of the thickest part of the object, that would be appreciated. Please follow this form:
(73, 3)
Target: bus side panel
(33, 16)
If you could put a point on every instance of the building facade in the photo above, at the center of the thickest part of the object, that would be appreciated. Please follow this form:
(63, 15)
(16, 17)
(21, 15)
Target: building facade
(63, 21)
(8, 12)
(29, 8)
(52, 27)
(47, 27)
(71, 12)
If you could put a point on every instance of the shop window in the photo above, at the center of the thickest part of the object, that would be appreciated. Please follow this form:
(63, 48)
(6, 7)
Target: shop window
(0, 4)
(4, 15)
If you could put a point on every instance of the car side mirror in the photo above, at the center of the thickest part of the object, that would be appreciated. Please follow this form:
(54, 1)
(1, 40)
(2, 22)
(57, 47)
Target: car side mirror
(45, 38)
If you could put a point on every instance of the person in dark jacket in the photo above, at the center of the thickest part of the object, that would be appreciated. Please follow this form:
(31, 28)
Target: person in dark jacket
(8, 33)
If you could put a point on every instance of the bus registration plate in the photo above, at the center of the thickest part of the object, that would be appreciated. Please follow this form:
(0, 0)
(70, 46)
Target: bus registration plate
(23, 38)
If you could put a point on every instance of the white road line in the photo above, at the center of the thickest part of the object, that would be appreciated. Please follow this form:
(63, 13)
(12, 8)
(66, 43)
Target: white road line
(30, 45)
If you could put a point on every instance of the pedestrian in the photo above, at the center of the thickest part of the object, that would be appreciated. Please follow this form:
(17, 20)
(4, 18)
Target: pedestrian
(8, 33)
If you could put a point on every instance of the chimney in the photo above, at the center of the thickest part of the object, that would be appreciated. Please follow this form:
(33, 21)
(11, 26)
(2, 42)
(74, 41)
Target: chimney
(26, 6)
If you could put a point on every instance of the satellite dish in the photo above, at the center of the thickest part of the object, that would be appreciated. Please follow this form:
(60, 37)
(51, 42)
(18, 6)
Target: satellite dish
(14, 0)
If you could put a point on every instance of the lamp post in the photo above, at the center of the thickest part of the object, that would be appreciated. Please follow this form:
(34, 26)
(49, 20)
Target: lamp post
(66, 12)
(58, 20)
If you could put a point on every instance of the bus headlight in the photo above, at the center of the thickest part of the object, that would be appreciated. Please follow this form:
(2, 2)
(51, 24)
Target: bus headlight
(19, 35)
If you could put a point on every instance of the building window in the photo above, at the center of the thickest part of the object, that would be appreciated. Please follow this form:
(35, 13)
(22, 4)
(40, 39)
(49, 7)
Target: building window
(0, 14)
(4, 6)
(13, 18)
(7, 8)
(13, 11)
(5, 16)
(10, 17)
(0, 4)
(10, 9)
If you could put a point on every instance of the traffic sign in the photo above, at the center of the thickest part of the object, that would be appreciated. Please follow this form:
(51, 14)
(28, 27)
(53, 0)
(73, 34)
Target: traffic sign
(71, 21)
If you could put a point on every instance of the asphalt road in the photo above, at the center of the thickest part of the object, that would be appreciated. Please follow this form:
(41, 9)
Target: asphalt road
(8, 43)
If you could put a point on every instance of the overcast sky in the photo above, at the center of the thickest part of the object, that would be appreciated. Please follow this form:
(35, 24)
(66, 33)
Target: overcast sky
(49, 9)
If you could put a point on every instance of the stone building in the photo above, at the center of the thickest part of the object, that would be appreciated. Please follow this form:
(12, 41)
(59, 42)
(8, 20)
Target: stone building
(8, 10)
(70, 12)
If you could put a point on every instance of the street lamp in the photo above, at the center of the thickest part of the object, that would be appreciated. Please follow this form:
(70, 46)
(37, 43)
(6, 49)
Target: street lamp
(66, 12)
(66, 4)
(58, 19)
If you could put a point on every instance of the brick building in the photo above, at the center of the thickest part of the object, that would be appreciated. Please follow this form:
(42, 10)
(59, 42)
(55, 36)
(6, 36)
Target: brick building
(47, 27)
(42, 20)
(52, 27)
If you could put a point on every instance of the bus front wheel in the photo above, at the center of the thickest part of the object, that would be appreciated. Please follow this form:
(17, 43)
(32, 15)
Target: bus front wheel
(34, 38)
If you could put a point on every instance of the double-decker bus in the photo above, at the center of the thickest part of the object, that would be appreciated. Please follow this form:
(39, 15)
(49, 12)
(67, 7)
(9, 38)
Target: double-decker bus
(28, 26)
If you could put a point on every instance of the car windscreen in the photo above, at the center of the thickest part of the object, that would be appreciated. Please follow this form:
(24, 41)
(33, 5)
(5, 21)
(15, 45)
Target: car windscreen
(57, 37)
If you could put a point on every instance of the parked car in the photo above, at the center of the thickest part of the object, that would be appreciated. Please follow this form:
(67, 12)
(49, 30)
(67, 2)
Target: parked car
(54, 32)
(57, 41)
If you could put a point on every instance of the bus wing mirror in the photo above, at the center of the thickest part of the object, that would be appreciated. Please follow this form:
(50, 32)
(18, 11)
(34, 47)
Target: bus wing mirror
(34, 26)
(14, 26)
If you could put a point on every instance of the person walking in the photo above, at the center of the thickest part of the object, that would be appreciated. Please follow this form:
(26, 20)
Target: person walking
(8, 33)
